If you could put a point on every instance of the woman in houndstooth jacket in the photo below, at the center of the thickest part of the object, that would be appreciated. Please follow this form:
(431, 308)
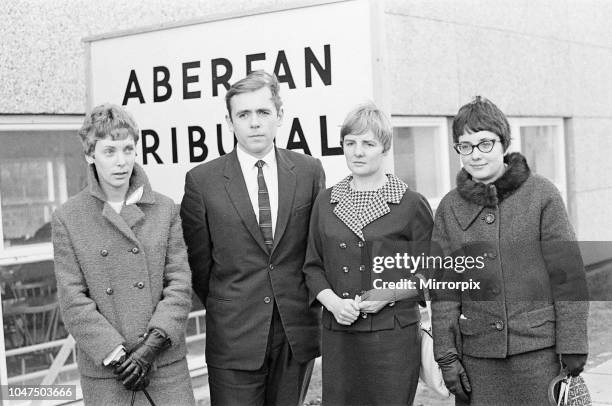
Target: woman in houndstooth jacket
(370, 348)
(124, 285)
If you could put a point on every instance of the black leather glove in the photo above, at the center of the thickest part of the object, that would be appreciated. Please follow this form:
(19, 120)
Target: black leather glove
(455, 377)
(574, 363)
(134, 370)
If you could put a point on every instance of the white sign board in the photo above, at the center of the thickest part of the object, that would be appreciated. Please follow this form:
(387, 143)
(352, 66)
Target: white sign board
(173, 80)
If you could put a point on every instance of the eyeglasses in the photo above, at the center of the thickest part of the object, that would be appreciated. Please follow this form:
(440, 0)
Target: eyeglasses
(465, 148)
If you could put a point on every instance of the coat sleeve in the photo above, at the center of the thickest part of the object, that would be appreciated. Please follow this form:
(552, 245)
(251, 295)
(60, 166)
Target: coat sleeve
(197, 237)
(567, 275)
(319, 180)
(172, 310)
(93, 333)
(447, 309)
(314, 272)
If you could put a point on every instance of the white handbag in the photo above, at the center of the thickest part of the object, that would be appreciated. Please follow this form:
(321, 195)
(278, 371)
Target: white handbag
(430, 372)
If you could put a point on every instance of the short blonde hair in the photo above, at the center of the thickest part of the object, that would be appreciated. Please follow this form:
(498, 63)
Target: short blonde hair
(367, 117)
(107, 120)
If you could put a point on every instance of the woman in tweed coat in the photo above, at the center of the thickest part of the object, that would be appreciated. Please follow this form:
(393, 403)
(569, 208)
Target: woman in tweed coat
(370, 348)
(503, 341)
(124, 285)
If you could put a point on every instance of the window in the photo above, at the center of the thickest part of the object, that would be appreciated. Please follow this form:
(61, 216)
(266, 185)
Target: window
(421, 155)
(541, 141)
(41, 165)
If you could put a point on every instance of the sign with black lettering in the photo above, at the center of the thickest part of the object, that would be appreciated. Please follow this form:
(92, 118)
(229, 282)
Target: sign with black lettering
(174, 79)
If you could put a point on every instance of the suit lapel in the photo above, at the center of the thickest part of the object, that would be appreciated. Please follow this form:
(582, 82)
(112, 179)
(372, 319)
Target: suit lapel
(239, 196)
(286, 192)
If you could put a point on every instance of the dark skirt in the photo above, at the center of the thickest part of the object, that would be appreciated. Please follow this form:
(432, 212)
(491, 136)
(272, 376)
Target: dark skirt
(371, 368)
(520, 379)
(170, 385)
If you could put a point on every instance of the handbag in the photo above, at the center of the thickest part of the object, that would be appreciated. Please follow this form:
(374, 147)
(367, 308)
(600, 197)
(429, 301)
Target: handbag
(430, 372)
(567, 390)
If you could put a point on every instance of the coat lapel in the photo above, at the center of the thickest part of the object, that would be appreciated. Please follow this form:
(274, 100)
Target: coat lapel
(239, 196)
(286, 192)
(466, 212)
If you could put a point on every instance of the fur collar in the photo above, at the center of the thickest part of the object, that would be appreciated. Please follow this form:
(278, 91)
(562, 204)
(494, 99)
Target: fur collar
(492, 194)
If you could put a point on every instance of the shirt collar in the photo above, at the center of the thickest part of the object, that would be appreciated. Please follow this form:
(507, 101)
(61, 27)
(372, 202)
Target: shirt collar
(248, 161)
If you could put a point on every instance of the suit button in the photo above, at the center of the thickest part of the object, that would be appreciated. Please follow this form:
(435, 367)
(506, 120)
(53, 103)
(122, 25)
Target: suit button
(109, 291)
(360, 244)
(104, 252)
(492, 255)
(342, 245)
(345, 269)
(499, 325)
(271, 267)
(489, 218)
(345, 294)
(267, 299)
(135, 250)
(362, 268)
(139, 285)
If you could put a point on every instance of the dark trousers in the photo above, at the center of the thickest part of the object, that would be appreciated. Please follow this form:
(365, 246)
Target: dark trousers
(281, 380)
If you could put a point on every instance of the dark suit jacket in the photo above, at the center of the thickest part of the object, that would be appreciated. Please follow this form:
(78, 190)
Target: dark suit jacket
(236, 278)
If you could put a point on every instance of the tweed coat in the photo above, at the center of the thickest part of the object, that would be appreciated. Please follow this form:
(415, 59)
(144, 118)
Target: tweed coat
(234, 275)
(119, 275)
(340, 259)
(533, 287)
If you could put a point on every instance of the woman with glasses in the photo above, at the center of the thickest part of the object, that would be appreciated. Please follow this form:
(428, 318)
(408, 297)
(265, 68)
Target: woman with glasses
(502, 343)
(370, 348)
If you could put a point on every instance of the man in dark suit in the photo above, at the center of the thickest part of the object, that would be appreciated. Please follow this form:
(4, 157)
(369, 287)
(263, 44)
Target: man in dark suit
(245, 220)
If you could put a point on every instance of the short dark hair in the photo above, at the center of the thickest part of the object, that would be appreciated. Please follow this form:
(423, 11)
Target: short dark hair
(481, 114)
(107, 120)
(254, 81)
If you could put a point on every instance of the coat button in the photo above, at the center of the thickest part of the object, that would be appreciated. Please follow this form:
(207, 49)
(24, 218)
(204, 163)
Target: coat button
(345, 294)
(267, 299)
(489, 218)
(139, 285)
(343, 245)
(271, 267)
(362, 268)
(391, 304)
(135, 250)
(364, 315)
(499, 325)
(104, 252)
(360, 244)
(345, 269)
(109, 291)
(492, 255)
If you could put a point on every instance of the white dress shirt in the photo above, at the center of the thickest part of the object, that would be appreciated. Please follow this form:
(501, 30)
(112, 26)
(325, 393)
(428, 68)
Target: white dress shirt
(270, 173)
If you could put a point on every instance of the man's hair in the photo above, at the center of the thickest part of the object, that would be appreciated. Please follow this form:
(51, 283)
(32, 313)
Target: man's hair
(254, 81)
(107, 120)
(368, 117)
(481, 115)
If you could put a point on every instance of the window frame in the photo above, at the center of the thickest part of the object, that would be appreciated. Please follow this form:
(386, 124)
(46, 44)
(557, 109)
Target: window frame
(45, 123)
(442, 150)
(558, 124)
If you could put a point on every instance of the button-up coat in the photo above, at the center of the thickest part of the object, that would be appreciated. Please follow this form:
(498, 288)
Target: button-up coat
(121, 274)
(341, 248)
(532, 292)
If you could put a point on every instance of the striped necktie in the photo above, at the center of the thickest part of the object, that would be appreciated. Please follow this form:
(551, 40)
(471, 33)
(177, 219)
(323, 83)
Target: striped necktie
(265, 213)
